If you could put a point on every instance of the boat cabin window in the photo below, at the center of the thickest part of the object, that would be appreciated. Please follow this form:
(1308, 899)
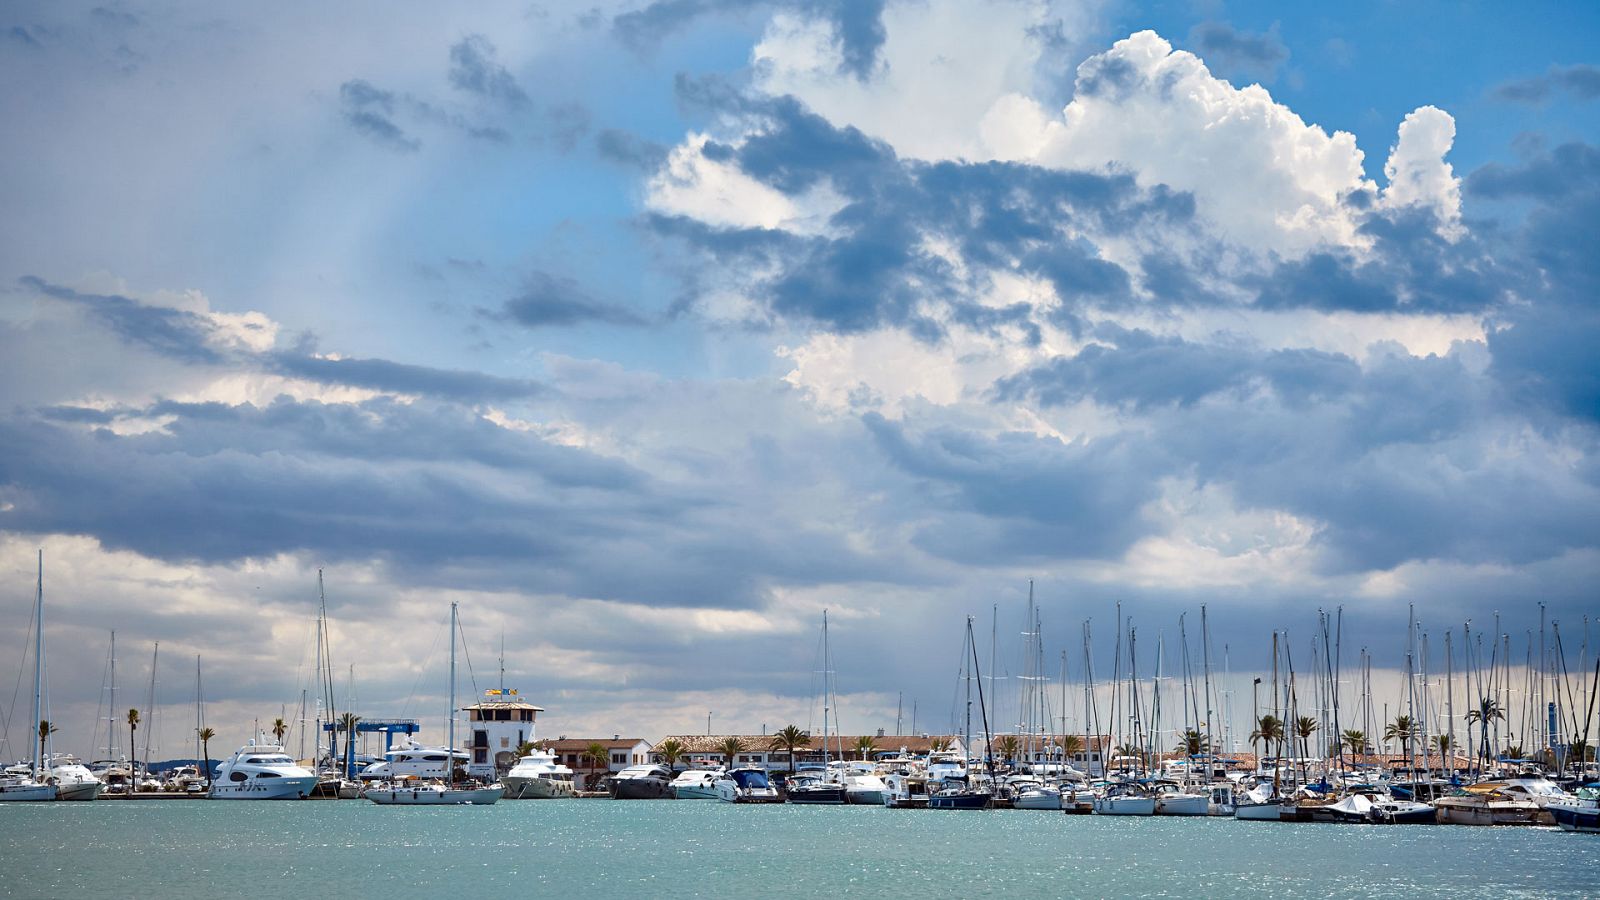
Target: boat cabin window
(268, 775)
(237, 776)
(435, 757)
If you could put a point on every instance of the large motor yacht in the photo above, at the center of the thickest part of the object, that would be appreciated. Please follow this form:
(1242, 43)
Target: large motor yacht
(410, 759)
(695, 784)
(538, 776)
(262, 771)
(73, 780)
(642, 782)
(746, 784)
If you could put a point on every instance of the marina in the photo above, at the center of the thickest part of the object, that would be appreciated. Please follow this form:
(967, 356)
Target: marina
(673, 849)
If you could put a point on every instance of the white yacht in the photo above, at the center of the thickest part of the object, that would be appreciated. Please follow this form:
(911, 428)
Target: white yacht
(906, 790)
(1125, 799)
(411, 759)
(1031, 794)
(538, 776)
(746, 784)
(73, 779)
(1173, 800)
(695, 784)
(22, 788)
(862, 783)
(262, 771)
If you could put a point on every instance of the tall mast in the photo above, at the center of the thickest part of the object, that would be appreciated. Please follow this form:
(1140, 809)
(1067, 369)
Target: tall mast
(966, 735)
(155, 659)
(199, 717)
(450, 714)
(826, 697)
(1205, 669)
(38, 664)
(111, 739)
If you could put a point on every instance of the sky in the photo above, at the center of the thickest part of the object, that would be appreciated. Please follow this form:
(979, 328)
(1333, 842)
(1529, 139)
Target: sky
(648, 331)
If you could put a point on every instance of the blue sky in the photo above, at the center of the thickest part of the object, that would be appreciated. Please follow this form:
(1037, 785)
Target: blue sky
(649, 330)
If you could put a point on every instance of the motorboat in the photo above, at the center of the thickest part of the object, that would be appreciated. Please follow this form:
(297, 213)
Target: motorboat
(946, 767)
(1224, 795)
(746, 784)
(905, 790)
(1539, 789)
(73, 780)
(538, 776)
(413, 791)
(1394, 811)
(864, 788)
(1125, 798)
(409, 758)
(1487, 804)
(695, 784)
(814, 788)
(1173, 800)
(1579, 812)
(262, 771)
(642, 782)
(186, 780)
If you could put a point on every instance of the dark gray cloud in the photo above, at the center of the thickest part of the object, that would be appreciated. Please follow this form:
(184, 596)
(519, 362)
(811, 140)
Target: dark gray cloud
(553, 301)
(384, 375)
(174, 333)
(1581, 81)
(474, 69)
(1233, 53)
(370, 111)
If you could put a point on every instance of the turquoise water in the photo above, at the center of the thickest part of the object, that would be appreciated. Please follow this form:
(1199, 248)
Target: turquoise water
(585, 848)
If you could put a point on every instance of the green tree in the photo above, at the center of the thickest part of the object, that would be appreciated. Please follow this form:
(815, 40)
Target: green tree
(729, 748)
(1192, 742)
(1304, 728)
(525, 748)
(1268, 730)
(671, 749)
(347, 724)
(46, 728)
(940, 745)
(279, 729)
(1403, 729)
(1071, 745)
(599, 760)
(1008, 747)
(205, 735)
(1354, 740)
(133, 759)
(790, 739)
(866, 745)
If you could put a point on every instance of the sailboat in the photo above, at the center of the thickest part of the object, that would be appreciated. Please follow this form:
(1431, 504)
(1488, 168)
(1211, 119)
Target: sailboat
(819, 789)
(411, 792)
(33, 786)
(964, 794)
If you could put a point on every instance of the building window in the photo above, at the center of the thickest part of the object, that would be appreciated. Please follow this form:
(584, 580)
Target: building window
(620, 759)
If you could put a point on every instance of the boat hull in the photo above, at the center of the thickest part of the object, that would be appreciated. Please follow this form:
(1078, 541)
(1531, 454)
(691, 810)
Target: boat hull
(536, 788)
(264, 789)
(81, 790)
(27, 793)
(818, 795)
(1576, 818)
(865, 797)
(1125, 806)
(695, 792)
(1258, 812)
(432, 796)
(1507, 813)
(1049, 800)
(1186, 805)
(639, 789)
(962, 800)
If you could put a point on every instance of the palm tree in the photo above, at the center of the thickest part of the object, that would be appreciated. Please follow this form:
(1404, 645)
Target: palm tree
(1129, 750)
(1071, 745)
(133, 773)
(1402, 729)
(1268, 730)
(1514, 751)
(279, 729)
(1008, 747)
(670, 749)
(939, 745)
(729, 748)
(866, 745)
(1487, 712)
(598, 758)
(1305, 727)
(525, 748)
(1444, 743)
(205, 735)
(46, 728)
(1192, 742)
(790, 738)
(347, 724)
(1354, 739)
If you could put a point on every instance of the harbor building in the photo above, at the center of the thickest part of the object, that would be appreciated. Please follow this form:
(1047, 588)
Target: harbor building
(496, 726)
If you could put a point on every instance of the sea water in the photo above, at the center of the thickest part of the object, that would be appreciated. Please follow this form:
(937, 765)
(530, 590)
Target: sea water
(594, 848)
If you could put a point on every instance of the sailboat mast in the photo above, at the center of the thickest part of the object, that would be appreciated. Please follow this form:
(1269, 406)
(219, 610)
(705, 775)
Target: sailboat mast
(966, 736)
(38, 663)
(1205, 672)
(199, 720)
(155, 660)
(450, 714)
(826, 697)
(112, 729)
